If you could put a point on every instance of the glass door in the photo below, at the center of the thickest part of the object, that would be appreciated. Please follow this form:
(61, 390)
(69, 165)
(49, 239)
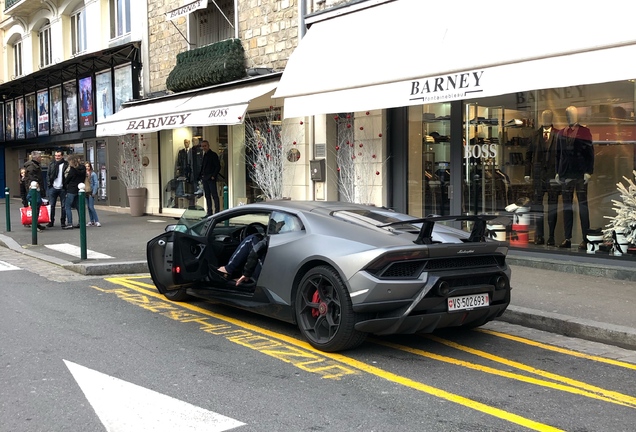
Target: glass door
(486, 186)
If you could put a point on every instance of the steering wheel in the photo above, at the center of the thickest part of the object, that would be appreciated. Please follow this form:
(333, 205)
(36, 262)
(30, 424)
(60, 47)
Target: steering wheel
(253, 228)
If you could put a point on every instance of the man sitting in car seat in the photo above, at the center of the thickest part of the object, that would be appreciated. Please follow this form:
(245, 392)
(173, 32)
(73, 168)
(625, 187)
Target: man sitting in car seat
(251, 252)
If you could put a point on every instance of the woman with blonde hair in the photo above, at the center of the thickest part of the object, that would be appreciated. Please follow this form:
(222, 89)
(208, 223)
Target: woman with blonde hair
(92, 184)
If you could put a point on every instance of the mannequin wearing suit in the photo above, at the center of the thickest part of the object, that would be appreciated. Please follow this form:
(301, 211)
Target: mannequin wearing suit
(575, 166)
(541, 167)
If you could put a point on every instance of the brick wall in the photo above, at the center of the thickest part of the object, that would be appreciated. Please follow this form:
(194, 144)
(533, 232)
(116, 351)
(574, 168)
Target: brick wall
(164, 42)
(269, 31)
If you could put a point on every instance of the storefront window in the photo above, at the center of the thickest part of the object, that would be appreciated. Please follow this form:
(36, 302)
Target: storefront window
(514, 147)
(429, 160)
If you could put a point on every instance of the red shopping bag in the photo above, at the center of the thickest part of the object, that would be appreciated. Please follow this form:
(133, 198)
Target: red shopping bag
(43, 217)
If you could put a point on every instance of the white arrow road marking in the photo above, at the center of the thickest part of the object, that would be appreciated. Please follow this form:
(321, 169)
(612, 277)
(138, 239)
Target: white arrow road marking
(76, 251)
(6, 266)
(125, 407)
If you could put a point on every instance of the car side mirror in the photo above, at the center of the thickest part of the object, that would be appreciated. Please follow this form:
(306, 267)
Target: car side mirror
(171, 227)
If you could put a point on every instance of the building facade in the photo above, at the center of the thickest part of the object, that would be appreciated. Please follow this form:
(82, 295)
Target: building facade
(66, 65)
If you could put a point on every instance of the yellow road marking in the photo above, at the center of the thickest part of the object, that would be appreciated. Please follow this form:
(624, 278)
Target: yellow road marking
(559, 350)
(389, 376)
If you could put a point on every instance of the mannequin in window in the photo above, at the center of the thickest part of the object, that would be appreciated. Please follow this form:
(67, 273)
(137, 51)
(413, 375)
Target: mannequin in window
(575, 166)
(541, 169)
(183, 169)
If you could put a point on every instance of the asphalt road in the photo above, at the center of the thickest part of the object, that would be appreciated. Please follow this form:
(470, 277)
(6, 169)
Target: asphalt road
(94, 353)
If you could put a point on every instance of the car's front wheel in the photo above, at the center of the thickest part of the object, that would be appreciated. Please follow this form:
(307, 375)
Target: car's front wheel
(177, 295)
(324, 312)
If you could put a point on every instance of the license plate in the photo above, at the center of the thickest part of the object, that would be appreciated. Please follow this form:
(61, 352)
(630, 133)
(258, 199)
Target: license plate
(468, 302)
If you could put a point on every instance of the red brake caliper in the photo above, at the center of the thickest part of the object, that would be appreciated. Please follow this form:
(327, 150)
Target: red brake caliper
(315, 299)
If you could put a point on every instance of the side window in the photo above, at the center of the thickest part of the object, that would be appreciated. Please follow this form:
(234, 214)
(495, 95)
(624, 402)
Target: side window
(282, 222)
(119, 18)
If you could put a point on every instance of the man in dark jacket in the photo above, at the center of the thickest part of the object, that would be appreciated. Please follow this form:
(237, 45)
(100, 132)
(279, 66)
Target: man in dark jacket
(73, 176)
(210, 168)
(56, 186)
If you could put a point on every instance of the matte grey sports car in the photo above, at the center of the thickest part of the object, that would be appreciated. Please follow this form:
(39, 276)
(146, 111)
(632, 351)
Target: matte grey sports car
(339, 271)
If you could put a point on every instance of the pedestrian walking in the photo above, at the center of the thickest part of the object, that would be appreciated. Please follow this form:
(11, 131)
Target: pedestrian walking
(92, 184)
(33, 173)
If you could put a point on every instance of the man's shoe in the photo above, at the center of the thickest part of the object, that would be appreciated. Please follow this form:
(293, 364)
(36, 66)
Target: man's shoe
(67, 227)
(539, 240)
(41, 227)
(50, 224)
(76, 226)
(566, 244)
(583, 245)
(550, 241)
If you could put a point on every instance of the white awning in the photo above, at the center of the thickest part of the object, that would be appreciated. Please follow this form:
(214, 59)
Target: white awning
(405, 52)
(186, 9)
(221, 107)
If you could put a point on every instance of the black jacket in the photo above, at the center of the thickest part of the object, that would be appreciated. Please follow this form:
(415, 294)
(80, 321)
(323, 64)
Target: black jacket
(73, 178)
(541, 156)
(211, 166)
(53, 168)
(33, 173)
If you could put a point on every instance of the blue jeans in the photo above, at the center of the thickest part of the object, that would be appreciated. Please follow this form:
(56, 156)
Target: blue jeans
(92, 214)
(54, 194)
(68, 202)
(234, 267)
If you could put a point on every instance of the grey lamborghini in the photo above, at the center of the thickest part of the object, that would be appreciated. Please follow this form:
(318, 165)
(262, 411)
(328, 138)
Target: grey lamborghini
(340, 271)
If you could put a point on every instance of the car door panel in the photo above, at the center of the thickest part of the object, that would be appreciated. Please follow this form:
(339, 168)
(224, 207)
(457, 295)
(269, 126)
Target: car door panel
(160, 261)
(191, 258)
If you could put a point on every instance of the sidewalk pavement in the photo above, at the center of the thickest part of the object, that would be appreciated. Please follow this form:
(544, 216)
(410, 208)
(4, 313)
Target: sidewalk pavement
(576, 295)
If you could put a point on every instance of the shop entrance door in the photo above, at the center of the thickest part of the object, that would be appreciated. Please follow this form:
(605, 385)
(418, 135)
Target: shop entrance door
(97, 156)
(486, 186)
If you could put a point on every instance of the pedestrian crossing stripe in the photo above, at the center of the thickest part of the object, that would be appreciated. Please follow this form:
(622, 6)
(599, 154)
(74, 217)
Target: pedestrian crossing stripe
(4, 266)
(76, 251)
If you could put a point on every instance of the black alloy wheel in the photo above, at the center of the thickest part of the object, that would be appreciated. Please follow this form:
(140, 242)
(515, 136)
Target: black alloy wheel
(324, 313)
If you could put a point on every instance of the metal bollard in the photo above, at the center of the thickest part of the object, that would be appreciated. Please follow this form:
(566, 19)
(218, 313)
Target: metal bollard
(225, 198)
(81, 209)
(8, 216)
(35, 212)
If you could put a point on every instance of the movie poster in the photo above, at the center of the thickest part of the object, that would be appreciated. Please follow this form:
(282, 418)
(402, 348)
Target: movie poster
(1, 122)
(9, 122)
(104, 95)
(87, 121)
(19, 119)
(123, 86)
(43, 112)
(30, 115)
(57, 125)
(69, 100)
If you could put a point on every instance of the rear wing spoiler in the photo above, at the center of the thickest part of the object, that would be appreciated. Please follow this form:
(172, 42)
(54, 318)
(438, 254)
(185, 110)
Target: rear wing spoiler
(478, 233)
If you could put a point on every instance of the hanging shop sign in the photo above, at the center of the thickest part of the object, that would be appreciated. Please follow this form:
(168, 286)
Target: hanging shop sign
(186, 9)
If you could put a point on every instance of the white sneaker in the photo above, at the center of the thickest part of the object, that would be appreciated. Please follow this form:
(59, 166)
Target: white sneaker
(90, 224)
(97, 224)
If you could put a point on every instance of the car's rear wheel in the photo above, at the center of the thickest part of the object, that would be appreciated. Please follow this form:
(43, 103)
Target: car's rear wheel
(324, 313)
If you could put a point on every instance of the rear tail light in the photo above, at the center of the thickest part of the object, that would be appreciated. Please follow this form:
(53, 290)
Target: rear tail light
(443, 288)
(176, 269)
(501, 282)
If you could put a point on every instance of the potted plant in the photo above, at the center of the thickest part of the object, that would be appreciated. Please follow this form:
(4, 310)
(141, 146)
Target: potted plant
(130, 171)
(622, 227)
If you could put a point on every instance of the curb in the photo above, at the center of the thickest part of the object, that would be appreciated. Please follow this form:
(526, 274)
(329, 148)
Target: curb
(624, 337)
(608, 271)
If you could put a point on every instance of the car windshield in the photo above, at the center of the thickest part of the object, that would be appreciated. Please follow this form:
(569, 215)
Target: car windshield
(193, 220)
(378, 218)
